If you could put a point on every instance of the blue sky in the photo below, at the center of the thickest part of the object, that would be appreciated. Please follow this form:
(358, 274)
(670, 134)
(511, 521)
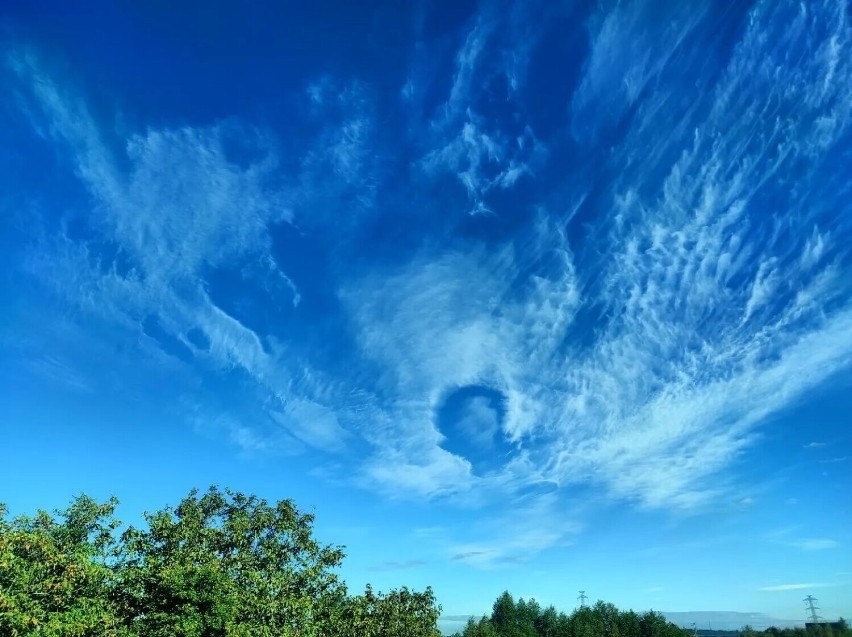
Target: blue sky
(538, 296)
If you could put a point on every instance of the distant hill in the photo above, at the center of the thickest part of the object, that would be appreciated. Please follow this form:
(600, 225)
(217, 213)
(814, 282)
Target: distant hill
(451, 624)
(720, 623)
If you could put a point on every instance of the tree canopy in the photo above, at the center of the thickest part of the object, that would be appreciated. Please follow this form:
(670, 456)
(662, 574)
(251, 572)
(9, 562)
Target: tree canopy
(510, 618)
(221, 564)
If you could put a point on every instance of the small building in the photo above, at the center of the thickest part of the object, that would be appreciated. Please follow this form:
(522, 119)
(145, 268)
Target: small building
(840, 626)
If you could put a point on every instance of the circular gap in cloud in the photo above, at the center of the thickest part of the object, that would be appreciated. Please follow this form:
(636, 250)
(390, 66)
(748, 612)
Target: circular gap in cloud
(471, 420)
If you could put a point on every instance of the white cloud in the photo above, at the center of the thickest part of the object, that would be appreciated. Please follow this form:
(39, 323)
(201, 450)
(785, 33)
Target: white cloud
(763, 287)
(835, 460)
(815, 544)
(480, 422)
(532, 526)
(466, 64)
(486, 155)
(61, 372)
(443, 324)
(814, 249)
(513, 31)
(778, 588)
(433, 473)
(630, 46)
(341, 166)
(314, 424)
(175, 206)
(484, 160)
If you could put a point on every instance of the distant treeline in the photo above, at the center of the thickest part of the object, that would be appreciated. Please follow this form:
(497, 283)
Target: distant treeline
(510, 618)
(521, 618)
(834, 629)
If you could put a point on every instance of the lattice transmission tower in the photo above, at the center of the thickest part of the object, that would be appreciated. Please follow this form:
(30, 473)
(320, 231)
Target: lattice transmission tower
(810, 602)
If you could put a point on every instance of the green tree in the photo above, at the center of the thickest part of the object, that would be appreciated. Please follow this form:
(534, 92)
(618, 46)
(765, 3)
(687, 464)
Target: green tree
(228, 564)
(526, 617)
(399, 613)
(514, 619)
(503, 613)
(54, 577)
(481, 628)
(654, 624)
(547, 624)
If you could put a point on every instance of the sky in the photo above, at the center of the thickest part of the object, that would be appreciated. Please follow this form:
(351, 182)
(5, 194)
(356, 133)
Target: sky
(537, 296)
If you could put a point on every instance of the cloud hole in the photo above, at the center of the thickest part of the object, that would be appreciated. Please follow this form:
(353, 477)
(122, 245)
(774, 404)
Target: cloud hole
(471, 420)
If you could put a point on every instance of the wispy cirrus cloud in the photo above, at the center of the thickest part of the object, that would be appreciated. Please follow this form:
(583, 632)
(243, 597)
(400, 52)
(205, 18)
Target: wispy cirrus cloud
(487, 155)
(709, 315)
(666, 380)
(484, 161)
(618, 70)
(780, 588)
(59, 371)
(815, 544)
(342, 163)
(169, 210)
(536, 523)
(398, 565)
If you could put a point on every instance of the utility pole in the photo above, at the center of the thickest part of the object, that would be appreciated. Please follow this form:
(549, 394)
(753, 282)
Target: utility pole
(809, 601)
(582, 598)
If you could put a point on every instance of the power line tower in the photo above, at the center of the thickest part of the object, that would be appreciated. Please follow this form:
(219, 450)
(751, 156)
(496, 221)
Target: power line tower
(582, 598)
(812, 608)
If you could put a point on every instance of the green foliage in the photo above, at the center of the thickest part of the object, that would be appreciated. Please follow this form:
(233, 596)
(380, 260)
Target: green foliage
(226, 564)
(528, 619)
(401, 613)
(221, 564)
(834, 629)
(54, 578)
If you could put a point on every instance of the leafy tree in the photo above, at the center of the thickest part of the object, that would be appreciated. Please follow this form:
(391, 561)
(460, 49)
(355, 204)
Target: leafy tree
(654, 624)
(54, 577)
(526, 616)
(481, 628)
(227, 564)
(547, 623)
(836, 629)
(399, 613)
(503, 612)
